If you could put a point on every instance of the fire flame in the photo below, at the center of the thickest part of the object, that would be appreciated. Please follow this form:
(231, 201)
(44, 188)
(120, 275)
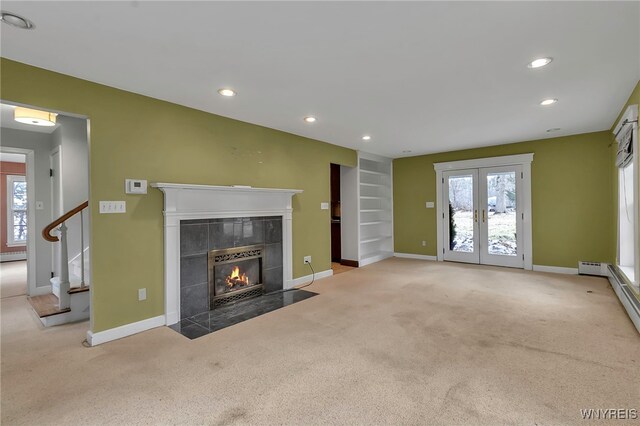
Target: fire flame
(237, 279)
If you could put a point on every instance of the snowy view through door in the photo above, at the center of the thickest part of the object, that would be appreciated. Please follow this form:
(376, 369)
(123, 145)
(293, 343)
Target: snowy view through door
(501, 215)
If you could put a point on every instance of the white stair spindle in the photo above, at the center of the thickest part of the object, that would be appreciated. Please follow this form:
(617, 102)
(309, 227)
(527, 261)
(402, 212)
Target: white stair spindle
(65, 299)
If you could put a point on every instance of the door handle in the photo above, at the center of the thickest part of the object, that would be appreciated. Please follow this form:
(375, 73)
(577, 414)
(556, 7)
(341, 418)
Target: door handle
(483, 216)
(475, 215)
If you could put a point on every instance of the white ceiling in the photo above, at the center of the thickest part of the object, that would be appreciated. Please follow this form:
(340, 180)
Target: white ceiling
(419, 76)
(6, 120)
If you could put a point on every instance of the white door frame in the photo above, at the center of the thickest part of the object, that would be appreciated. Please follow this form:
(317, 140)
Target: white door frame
(523, 160)
(31, 214)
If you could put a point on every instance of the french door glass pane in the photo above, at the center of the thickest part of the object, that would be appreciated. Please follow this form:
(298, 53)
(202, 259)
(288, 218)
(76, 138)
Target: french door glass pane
(501, 215)
(461, 213)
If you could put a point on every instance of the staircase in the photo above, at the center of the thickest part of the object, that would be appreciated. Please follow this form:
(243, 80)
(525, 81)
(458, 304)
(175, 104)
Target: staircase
(67, 302)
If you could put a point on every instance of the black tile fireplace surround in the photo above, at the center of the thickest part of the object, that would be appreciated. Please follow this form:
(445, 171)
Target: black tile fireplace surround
(198, 237)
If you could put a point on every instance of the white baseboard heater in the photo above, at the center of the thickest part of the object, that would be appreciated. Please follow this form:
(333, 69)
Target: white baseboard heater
(625, 294)
(593, 268)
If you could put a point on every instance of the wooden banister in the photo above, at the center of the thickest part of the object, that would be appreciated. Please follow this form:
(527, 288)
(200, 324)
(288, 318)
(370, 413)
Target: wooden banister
(46, 232)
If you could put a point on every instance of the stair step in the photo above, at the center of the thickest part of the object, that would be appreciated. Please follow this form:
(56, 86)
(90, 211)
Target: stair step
(46, 305)
(74, 290)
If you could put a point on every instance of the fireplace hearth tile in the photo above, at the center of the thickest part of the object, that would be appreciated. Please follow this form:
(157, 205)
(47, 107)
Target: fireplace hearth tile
(194, 300)
(273, 255)
(190, 329)
(193, 270)
(273, 279)
(248, 231)
(194, 239)
(236, 313)
(221, 235)
(273, 230)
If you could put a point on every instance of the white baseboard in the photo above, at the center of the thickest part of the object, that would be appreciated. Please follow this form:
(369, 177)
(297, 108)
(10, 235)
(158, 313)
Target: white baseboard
(555, 269)
(124, 330)
(9, 257)
(307, 278)
(415, 256)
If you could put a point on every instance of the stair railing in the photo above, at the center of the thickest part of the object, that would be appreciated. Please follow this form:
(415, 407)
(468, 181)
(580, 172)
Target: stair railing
(65, 299)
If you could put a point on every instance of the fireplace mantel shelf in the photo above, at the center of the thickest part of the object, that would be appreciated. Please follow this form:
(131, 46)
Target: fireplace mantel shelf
(239, 188)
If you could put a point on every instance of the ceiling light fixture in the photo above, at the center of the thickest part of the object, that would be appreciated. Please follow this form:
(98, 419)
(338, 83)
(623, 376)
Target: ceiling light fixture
(554, 129)
(34, 117)
(366, 138)
(309, 119)
(546, 102)
(227, 92)
(16, 20)
(539, 63)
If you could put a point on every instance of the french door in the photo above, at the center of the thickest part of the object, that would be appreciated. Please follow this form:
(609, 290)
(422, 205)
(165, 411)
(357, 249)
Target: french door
(483, 216)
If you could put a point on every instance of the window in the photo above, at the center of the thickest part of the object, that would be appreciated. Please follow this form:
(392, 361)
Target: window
(627, 166)
(17, 210)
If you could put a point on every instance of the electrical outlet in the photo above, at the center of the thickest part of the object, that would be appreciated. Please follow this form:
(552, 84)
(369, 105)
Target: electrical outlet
(307, 259)
(142, 294)
(424, 243)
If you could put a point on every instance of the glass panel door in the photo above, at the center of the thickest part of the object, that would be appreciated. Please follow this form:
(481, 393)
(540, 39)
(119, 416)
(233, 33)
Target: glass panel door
(501, 216)
(461, 216)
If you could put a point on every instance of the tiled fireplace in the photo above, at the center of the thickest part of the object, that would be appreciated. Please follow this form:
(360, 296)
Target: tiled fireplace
(199, 219)
(224, 260)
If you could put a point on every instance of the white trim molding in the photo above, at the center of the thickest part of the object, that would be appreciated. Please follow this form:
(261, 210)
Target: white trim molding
(415, 256)
(14, 255)
(523, 160)
(555, 269)
(307, 278)
(185, 202)
(124, 330)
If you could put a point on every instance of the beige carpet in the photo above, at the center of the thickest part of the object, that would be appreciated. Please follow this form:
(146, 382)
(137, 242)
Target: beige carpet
(13, 278)
(397, 342)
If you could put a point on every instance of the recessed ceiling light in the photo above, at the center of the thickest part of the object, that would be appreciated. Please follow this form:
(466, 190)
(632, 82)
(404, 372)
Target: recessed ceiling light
(546, 102)
(366, 138)
(16, 20)
(227, 92)
(34, 117)
(310, 119)
(540, 62)
(554, 129)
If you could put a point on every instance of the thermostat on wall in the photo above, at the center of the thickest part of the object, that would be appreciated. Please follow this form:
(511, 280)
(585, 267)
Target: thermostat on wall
(135, 186)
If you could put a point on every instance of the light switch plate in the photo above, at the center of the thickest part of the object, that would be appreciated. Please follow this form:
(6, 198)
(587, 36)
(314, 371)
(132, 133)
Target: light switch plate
(324, 206)
(113, 207)
(142, 294)
(430, 204)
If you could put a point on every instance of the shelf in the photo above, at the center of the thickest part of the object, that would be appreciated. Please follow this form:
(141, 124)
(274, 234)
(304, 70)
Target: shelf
(379, 185)
(376, 254)
(377, 222)
(367, 197)
(372, 210)
(374, 173)
(374, 239)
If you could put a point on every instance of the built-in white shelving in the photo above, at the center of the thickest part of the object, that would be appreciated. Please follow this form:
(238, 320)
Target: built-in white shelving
(375, 208)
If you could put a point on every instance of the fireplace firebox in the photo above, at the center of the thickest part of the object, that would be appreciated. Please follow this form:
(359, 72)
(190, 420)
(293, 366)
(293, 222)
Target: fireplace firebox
(235, 274)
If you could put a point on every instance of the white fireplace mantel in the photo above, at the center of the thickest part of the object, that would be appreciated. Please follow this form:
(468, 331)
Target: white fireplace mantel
(186, 202)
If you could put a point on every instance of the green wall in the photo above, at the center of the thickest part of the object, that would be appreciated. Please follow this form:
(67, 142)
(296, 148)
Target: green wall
(572, 215)
(134, 136)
